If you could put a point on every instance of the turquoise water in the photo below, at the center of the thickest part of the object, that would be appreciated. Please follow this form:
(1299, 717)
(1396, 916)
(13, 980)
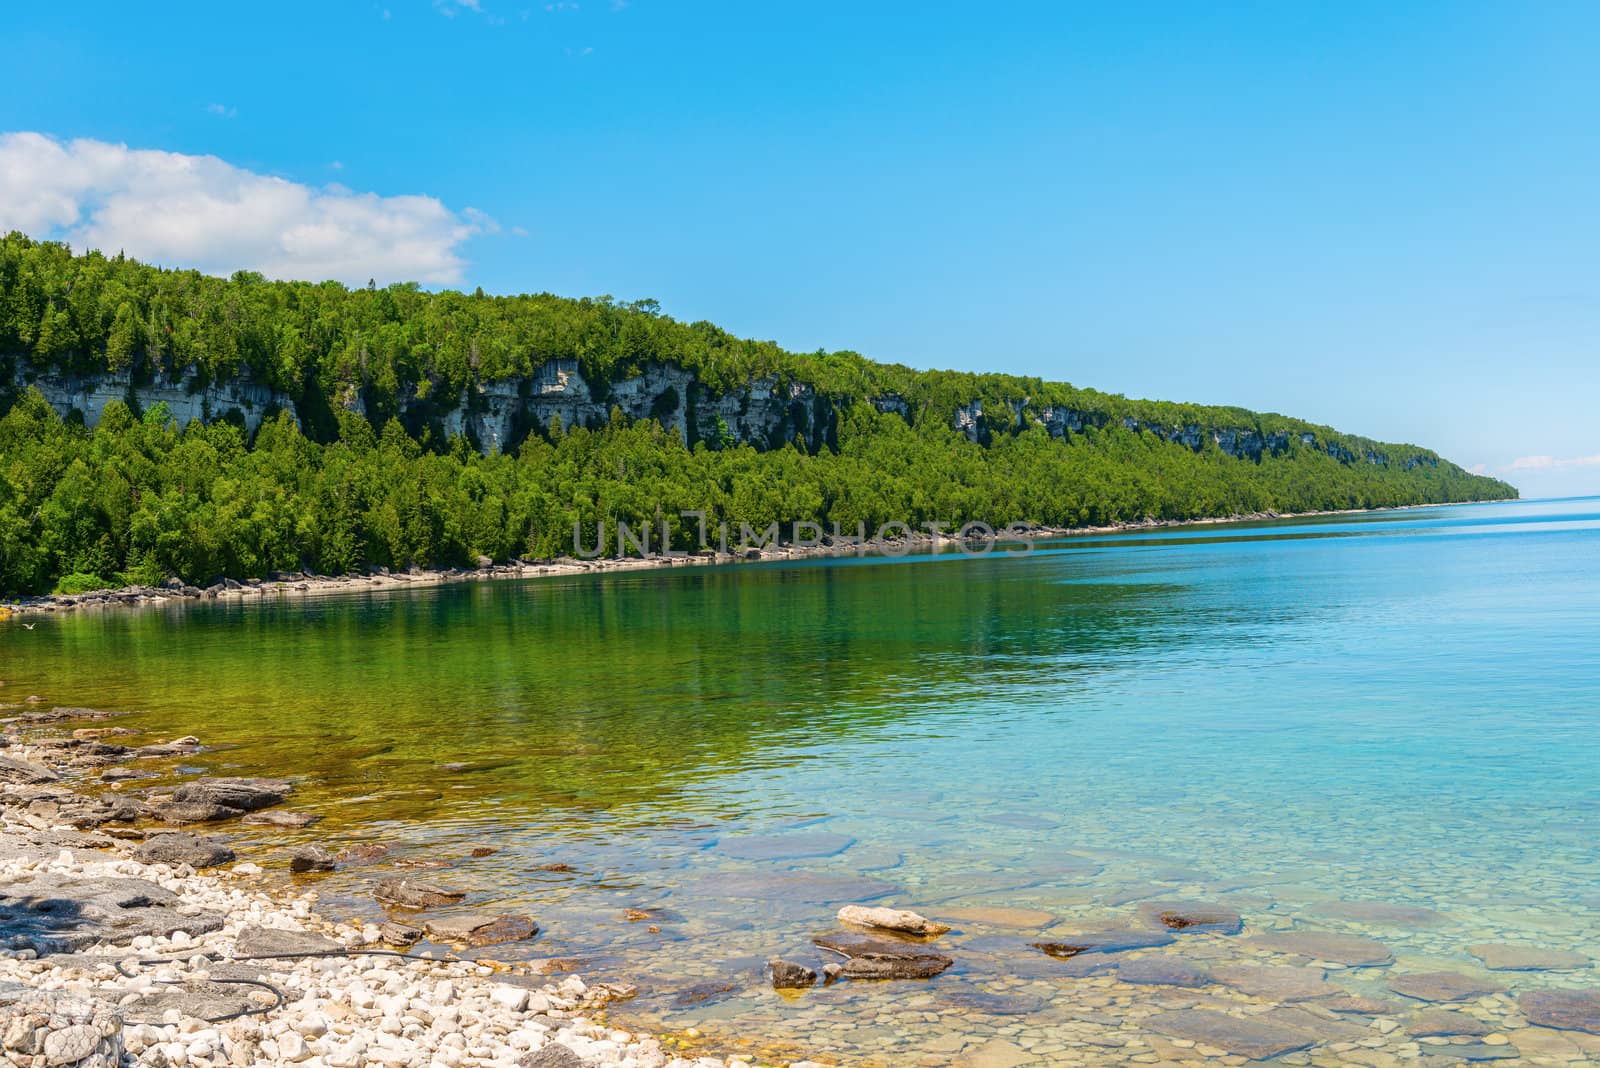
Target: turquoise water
(1400, 708)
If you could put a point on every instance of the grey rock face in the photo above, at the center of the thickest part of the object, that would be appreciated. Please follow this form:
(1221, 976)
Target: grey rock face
(554, 1055)
(246, 795)
(269, 942)
(51, 913)
(309, 858)
(787, 975)
(872, 958)
(180, 847)
(415, 894)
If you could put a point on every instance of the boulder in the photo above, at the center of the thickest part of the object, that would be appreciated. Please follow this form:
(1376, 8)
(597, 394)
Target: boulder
(869, 958)
(247, 795)
(396, 933)
(786, 975)
(194, 812)
(180, 847)
(309, 858)
(256, 941)
(889, 919)
(415, 894)
(481, 930)
(554, 1055)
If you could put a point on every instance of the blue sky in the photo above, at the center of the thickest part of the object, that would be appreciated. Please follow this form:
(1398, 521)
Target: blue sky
(1380, 216)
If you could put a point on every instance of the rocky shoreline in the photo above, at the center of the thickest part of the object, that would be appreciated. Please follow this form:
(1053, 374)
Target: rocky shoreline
(170, 952)
(286, 585)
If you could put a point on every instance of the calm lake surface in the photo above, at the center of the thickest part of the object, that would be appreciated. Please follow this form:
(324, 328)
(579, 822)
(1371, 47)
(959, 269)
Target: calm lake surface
(1288, 717)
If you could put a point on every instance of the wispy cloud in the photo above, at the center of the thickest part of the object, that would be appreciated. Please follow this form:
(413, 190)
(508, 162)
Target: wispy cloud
(200, 211)
(1552, 463)
(222, 110)
(451, 8)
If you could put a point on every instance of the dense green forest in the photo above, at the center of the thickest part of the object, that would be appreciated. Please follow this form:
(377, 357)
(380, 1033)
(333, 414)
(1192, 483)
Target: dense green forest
(138, 499)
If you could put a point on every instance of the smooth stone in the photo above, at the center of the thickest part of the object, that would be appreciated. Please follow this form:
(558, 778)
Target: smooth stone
(1505, 957)
(1565, 1010)
(1276, 982)
(554, 1055)
(1441, 986)
(180, 847)
(1475, 1051)
(194, 812)
(1379, 912)
(786, 975)
(1000, 916)
(972, 999)
(1245, 1037)
(311, 858)
(1163, 970)
(1325, 945)
(702, 993)
(1323, 1027)
(1192, 917)
(414, 894)
(1104, 940)
(784, 846)
(1362, 1005)
(888, 919)
(1431, 1022)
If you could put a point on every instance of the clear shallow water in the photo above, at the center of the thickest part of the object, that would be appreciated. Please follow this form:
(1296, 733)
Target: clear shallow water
(1400, 708)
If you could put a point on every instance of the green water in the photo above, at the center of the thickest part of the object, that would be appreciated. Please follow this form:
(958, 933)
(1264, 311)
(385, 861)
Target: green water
(1401, 708)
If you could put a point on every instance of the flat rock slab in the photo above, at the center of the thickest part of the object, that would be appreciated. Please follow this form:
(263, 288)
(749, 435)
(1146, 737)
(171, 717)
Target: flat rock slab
(1431, 1022)
(181, 812)
(202, 1001)
(279, 818)
(1441, 986)
(807, 887)
(1505, 957)
(1192, 917)
(784, 846)
(481, 930)
(995, 1053)
(1104, 940)
(1363, 1005)
(1566, 1010)
(52, 913)
(1164, 970)
(1252, 1037)
(179, 847)
(1325, 1027)
(971, 999)
(1474, 1052)
(872, 958)
(1276, 982)
(25, 772)
(1380, 913)
(1325, 945)
(247, 795)
(270, 942)
(415, 894)
(1024, 919)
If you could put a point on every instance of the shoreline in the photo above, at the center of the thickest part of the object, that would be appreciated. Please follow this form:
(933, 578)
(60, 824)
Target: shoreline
(176, 957)
(283, 585)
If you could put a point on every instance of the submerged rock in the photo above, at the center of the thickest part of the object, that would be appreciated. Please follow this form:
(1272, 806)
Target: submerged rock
(891, 920)
(1104, 940)
(1254, 1037)
(1163, 970)
(786, 975)
(279, 818)
(1276, 982)
(999, 916)
(415, 894)
(1325, 945)
(1381, 913)
(1441, 986)
(701, 993)
(1504, 957)
(784, 846)
(181, 847)
(194, 812)
(1192, 916)
(1434, 1022)
(1567, 1010)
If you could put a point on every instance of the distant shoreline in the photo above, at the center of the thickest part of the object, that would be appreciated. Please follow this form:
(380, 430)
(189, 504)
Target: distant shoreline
(304, 585)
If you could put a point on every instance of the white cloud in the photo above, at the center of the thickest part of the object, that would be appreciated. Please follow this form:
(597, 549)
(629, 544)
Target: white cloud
(222, 110)
(200, 211)
(1546, 463)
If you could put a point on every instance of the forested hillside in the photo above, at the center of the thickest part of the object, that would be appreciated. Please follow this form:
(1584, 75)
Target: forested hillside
(357, 466)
